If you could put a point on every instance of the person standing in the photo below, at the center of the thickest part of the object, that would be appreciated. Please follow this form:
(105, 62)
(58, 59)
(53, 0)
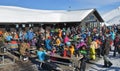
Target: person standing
(83, 60)
(92, 51)
(116, 43)
(105, 52)
(118, 47)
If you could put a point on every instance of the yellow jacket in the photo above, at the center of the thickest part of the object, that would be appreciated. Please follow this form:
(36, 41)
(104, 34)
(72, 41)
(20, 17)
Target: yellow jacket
(92, 50)
(58, 42)
(72, 49)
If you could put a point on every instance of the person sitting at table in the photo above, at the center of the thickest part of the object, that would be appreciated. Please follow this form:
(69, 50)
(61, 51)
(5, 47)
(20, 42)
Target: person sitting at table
(53, 51)
(48, 43)
(2, 46)
(81, 43)
(72, 49)
(24, 47)
(34, 41)
(59, 44)
(75, 37)
(13, 44)
(66, 51)
(66, 39)
(8, 37)
(79, 46)
(58, 41)
(60, 33)
(41, 53)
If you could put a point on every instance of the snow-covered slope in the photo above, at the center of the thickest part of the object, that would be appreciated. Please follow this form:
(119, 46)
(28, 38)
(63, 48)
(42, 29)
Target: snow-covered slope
(112, 17)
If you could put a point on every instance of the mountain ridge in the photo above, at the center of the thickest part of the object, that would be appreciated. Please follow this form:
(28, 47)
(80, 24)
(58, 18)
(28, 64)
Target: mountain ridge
(112, 17)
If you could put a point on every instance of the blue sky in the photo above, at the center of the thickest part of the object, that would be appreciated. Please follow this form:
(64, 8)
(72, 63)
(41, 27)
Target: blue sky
(101, 5)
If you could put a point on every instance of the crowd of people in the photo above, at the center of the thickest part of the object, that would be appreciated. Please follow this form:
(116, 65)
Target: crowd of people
(66, 42)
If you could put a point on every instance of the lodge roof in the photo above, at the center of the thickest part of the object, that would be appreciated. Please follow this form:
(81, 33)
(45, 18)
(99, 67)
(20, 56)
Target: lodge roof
(12, 14)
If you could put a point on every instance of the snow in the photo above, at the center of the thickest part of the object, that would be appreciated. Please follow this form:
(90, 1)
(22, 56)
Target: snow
(18, 14)
(98, 65)
(112, 17)
(119, 7)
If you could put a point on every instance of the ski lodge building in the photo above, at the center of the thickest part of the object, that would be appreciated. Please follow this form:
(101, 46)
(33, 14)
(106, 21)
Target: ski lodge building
(17, 17)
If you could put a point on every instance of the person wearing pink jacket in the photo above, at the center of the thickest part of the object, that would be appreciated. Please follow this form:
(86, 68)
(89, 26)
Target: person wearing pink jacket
(66, 39)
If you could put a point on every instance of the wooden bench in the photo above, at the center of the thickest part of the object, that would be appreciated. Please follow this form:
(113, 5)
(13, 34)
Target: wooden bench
(41, 62)
(61, 60)
(3, 58)
(50, 66)
(16, 53)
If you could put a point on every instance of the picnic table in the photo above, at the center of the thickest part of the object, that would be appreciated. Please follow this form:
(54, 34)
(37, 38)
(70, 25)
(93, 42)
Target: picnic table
(3, 58)
(59, 59)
